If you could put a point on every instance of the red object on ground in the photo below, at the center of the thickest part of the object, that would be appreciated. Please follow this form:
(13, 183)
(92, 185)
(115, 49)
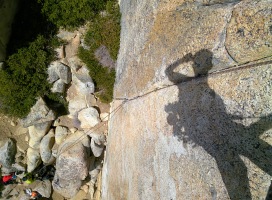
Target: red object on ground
(6, 178)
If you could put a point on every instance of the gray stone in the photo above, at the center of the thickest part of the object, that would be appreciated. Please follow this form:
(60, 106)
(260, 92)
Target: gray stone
(96, 149)
(20, 167)
(44, 188)
(66, 35)
(58, 87)
(52, 74)
(46, 146)
(61, 133)
(104, 117)
(74, 63)
(98, 137)
(39, 113)
(72, 164)
(75, 106)
(89, 117)
(7, 152)
(67, 189)
(83, 81)
(64, 73)
(33, 159)
(102, 54)
(37, 132)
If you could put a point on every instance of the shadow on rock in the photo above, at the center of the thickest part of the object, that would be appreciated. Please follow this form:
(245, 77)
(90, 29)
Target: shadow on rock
(199, 117)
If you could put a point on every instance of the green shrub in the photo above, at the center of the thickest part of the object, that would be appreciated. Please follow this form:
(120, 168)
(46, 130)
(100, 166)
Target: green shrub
(24, 78)
(71, 13)
(103, 30)
(103, 77)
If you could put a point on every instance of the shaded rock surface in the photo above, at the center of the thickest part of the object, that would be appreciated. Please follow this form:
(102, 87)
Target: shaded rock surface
(7, 153)
(185, 134)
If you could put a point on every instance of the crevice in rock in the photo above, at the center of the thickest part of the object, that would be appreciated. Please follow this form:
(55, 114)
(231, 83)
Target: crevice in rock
(226, 35)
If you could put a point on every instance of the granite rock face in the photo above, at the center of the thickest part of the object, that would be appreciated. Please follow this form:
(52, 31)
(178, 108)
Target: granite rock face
(197, 124)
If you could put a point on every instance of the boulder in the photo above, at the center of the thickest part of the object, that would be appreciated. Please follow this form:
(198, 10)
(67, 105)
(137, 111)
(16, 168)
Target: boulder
(83, 81)
(60, 133)
(104, 117)
(96, 148)
(75, 106)
(39, 113)
(99, 138)
(46, 146)
(66, 35)
(72, 48)
(58, 87)
(67, 189)
(72, 164)
(44, 188)
(88, 117)
(72, 161)
(64, 73)
(37, 132)
(33, 159)
(7, 152)
(102, 54)
(52, 74)
(19, 167)
(74, 63)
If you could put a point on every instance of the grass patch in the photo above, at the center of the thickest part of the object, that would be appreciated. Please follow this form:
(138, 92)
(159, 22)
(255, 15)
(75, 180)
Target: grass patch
(104, 29)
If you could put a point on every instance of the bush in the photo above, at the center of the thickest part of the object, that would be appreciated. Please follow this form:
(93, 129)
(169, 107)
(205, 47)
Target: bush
(103, 30)
(71, 13)
(103, 77)
(24, 78)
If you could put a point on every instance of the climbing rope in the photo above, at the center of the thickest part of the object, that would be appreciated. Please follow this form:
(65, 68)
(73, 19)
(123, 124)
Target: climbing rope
(125, 100)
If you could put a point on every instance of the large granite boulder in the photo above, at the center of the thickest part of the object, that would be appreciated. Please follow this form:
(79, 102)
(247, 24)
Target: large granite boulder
(39, 113)
(36, 133)
(89, 117)
(33, 159)
(61, 133)
(7, 152)
(46, 146)
(72, 164)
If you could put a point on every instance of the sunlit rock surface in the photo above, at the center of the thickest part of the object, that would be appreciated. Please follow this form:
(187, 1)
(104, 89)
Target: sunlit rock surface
(197, 125)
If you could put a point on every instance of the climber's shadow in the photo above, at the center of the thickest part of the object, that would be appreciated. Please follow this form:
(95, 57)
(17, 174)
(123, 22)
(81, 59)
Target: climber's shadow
(200, 118)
